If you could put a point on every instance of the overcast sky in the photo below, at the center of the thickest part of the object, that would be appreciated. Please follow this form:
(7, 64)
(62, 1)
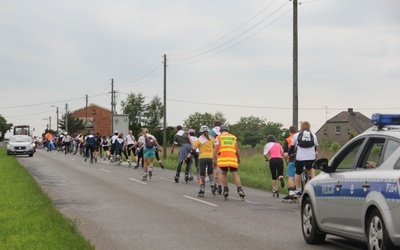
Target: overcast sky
(229, 56)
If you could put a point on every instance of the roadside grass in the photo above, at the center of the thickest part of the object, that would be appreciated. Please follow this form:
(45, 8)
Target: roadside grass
(28, 219)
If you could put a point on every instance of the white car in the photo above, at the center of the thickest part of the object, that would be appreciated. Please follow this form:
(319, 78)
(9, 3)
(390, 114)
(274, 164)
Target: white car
(357, 194)
(21, 145)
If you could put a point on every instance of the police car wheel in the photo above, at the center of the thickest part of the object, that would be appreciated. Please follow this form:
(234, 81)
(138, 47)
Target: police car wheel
(311, 233)
(377, 234)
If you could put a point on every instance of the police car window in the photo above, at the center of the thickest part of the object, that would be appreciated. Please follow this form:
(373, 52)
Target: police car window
(371, 155)
(397, 165)
(391, 146)
(347, 157)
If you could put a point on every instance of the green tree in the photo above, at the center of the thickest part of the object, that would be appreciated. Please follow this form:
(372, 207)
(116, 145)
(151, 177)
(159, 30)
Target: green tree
(154, 113)
(75, 124)
(134, 107)
(220, 117)
(197, 119)
(249, 130)
(4, 127)
(275, 128)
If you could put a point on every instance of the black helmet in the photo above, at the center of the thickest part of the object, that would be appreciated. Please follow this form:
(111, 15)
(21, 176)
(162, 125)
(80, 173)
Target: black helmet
(224, 128)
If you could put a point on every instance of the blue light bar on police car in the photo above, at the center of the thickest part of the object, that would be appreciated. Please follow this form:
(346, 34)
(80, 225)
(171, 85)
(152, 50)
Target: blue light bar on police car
(385, 119)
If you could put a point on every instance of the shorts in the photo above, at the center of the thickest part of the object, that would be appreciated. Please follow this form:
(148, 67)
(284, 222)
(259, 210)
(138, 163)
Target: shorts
(149, 153)
(105, 148)
(301, 164)
(291, 169)
(231, 169)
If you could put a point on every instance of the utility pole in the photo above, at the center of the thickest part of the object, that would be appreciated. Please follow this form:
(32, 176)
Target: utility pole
(50, 122)
(112, 106)
(57, 119)
(86, 112)
(165, 110)
(66, 117)
(295, 68)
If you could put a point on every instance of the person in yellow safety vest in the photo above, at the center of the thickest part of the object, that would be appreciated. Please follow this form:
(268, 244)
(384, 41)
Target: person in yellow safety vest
(227, 157)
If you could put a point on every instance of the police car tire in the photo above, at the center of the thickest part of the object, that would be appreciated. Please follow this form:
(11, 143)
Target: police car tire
(311, 232)
(376, 220)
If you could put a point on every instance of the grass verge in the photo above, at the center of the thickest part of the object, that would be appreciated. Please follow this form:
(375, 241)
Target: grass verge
(28, 219)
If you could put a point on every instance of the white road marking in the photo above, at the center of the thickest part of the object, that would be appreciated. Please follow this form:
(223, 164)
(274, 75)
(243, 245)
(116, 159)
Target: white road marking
(105, 170)
(205, 202)
(162, 178)
(238, 199)
(141, 182)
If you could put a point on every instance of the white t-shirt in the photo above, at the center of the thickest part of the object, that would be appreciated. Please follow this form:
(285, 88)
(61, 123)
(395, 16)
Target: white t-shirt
(305, 154)
(130, 139)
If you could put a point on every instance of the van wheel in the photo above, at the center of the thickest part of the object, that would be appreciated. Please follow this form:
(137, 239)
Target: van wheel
(377, 235)
(311, 233)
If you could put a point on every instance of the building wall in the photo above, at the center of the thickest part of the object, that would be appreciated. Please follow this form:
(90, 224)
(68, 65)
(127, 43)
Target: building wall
(329, 132)
(99, 119)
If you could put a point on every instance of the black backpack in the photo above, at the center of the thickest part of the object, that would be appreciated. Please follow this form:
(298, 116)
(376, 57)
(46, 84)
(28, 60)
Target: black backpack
(305, 139)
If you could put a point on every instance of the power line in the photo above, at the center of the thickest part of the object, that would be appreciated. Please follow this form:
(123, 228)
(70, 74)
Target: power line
(239, 35)
(224, 36)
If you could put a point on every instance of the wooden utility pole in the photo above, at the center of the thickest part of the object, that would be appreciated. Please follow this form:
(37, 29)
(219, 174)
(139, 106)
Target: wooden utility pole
(295, 69)
(86, 113)
(66, 117)
(165, 109)
(112, 107)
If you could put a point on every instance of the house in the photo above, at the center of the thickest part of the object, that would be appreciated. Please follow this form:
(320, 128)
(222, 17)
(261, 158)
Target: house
(344, 126)
(98, 118)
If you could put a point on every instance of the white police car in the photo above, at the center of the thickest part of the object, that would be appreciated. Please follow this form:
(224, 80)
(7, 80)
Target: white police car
(357, 194)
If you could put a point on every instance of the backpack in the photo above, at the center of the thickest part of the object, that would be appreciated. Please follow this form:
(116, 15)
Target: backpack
(148, 142)
(305, 139)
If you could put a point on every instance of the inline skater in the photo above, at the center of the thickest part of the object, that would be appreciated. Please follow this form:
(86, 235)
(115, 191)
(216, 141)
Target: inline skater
(206, 145)
(227, 157)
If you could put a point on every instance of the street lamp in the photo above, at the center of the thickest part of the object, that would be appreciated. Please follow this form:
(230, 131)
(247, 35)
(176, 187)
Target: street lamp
(57, 116)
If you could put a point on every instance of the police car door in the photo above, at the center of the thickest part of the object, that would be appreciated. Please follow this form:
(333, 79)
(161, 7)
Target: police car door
(365, 184)
(329, 190)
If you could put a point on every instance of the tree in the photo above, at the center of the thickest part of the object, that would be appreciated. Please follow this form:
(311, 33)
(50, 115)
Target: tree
(197, 119)
(4, 127)
(153, 114)
(275, 128)
(75, 124)
(134, 107)
(249, 130)
(220, 117)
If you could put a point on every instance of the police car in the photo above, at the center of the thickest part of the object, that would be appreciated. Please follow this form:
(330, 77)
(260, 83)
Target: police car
(357, 193)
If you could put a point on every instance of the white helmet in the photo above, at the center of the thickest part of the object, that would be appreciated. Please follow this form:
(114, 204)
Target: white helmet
(203, 129)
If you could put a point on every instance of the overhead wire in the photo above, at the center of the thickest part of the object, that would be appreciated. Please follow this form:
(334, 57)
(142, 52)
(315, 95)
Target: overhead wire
(237, 36)
(248, 37)
(226, 35)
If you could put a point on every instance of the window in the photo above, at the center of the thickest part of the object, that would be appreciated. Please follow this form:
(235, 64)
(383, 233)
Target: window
(397, 166)
(93, 112)
(325, 132)
(390, 148)
(337, 130)
(372, 153)
(348, 156)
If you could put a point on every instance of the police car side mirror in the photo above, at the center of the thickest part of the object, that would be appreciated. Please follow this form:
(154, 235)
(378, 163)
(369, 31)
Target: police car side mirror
(322, 164)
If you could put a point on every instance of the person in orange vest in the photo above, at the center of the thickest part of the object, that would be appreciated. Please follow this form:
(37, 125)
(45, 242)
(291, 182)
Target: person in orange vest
(291, 169)
(227, 157)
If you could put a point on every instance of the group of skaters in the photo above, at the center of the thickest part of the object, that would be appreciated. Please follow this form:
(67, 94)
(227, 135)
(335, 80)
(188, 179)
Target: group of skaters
(214, 153)
(299, 152)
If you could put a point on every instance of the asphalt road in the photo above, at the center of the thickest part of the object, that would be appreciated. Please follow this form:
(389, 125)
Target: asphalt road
(115, 209)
